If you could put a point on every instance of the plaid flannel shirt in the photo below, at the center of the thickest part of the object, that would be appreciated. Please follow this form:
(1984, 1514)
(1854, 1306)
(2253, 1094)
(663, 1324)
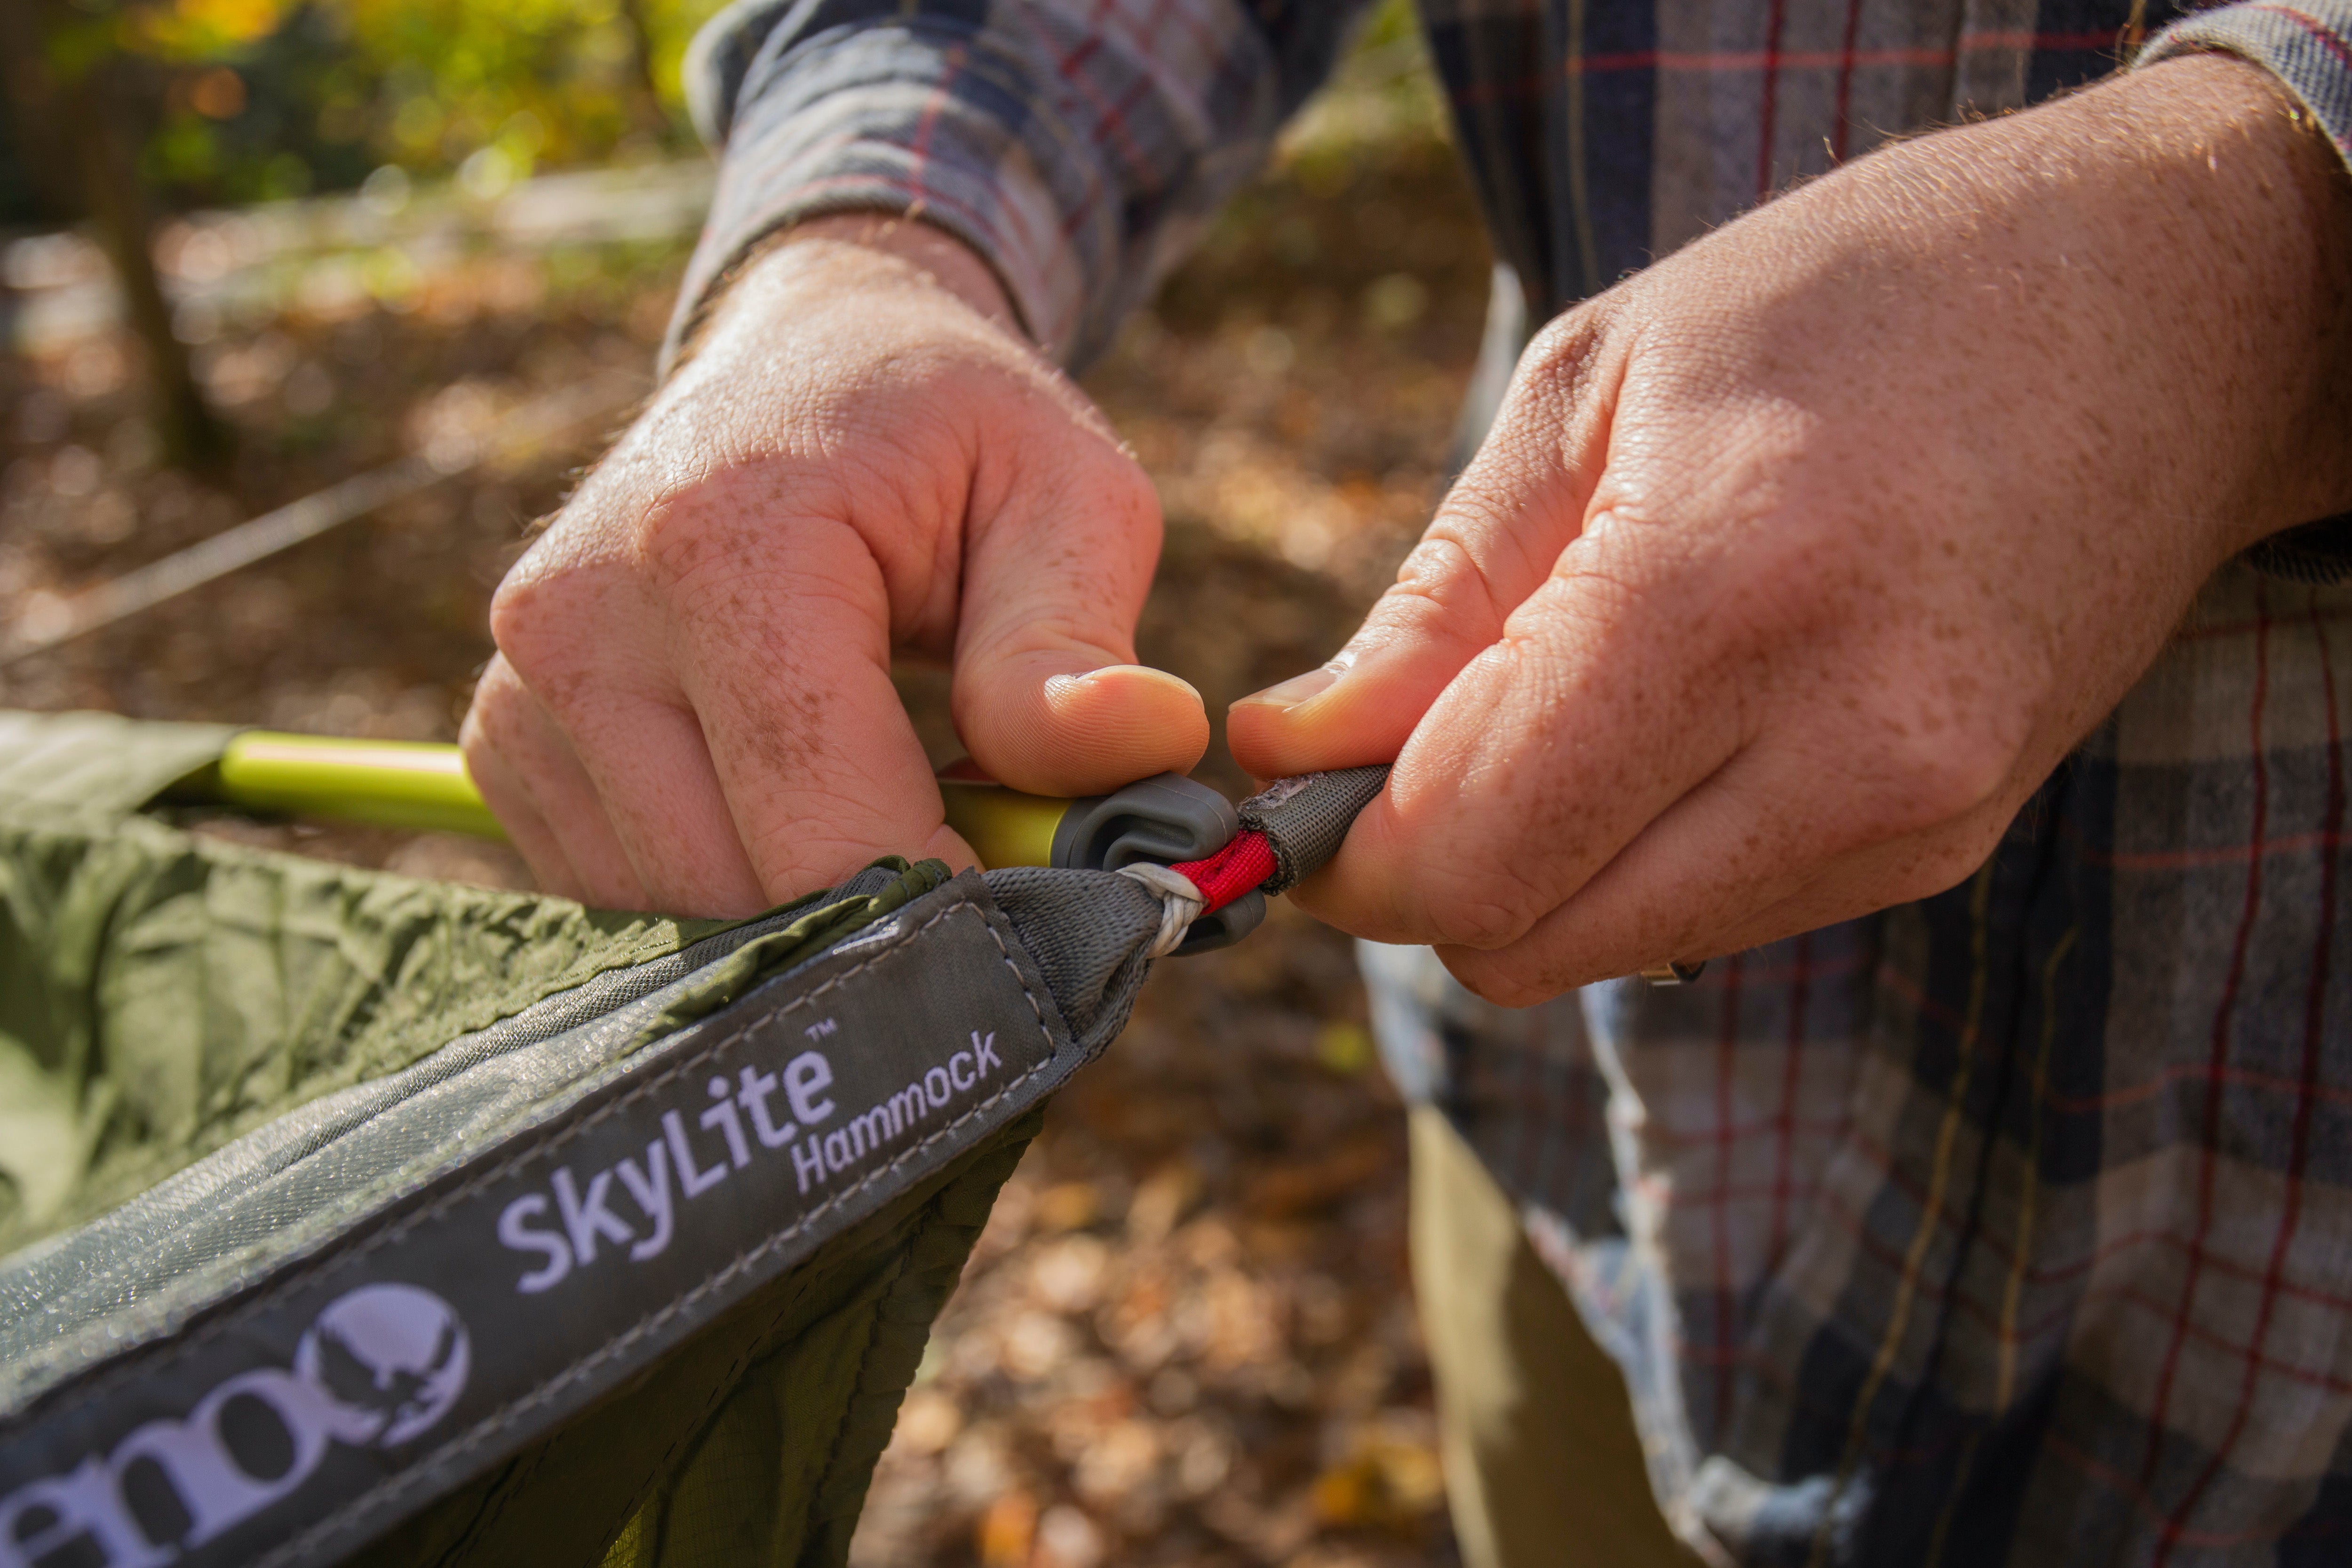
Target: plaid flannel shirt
(2014, 1225)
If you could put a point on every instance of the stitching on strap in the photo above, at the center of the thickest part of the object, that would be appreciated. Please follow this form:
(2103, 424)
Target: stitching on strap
(494, 1423)
(549, 1141)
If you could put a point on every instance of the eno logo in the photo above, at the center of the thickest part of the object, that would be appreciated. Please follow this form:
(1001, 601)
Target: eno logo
(379, 1366)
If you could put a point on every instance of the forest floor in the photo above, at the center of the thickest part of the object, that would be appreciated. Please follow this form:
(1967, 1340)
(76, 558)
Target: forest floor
(1187, 1336)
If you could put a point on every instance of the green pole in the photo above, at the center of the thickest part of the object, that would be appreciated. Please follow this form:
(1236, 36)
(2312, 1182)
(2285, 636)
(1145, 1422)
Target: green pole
(389, 784)
(422, 786)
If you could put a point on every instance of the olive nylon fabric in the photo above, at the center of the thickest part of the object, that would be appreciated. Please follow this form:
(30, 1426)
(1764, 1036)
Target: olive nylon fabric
(752, 1445)
(162, 993)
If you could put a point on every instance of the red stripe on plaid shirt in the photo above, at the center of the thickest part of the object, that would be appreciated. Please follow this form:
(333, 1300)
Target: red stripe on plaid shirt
(1845, 58)
(1784, 1121)
(2055, 1321)
(2321, 34)
(2212, 1130)
(1775, 59)
(1879, 1160)
(1726, 1062)
(1110, 117)
(1761, 1361)
(2299, 1141)
(2212, 631)
(2225, 855)
(2138, 1496)
(919, 148)
(2229, 1076)
(1846, 81)
(1905, 989)
(1770, 98)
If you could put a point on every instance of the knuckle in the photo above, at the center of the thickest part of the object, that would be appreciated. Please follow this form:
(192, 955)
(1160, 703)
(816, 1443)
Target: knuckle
(799, 861)
(1945, 862)
(1483, 908)
(1961, 779)
(677, 532)
(495, 695)
(521, 618)
(1440, 580)
(1930, 779)
(1566, 344)
(1519, 978)
(1924, 747)
(542, 593)
(1483, 924)
(1560, 361)
(1505, 984)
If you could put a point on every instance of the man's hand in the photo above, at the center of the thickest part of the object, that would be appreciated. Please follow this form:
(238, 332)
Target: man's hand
(691, 709)
(1795, 564)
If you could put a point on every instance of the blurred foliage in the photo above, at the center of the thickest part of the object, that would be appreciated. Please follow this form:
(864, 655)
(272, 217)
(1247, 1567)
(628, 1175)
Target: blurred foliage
(249, 100)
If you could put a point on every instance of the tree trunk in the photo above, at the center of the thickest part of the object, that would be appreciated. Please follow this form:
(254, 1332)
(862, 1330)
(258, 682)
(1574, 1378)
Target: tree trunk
(32, 101)
(641, 60)
(85, 120)
(192, 435)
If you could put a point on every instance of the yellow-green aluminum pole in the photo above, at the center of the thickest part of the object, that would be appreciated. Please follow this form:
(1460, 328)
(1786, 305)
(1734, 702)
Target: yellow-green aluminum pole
(1003, 826)
(390, 783)
(406, 783)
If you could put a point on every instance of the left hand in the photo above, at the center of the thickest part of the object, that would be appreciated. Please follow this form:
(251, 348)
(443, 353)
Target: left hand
(1796, 563)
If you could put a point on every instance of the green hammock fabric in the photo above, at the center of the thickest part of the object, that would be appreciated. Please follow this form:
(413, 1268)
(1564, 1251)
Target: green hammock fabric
(752, 1445)
(163, 994)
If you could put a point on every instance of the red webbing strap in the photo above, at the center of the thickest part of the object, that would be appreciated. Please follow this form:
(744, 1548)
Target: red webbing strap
(1245, 862)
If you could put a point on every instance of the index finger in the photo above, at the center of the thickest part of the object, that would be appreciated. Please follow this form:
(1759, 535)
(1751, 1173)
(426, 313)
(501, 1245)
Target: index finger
(1597, 708)
(787, 672)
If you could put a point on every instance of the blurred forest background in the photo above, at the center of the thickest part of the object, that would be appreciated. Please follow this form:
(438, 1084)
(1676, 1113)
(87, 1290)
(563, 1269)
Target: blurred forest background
(252, 248)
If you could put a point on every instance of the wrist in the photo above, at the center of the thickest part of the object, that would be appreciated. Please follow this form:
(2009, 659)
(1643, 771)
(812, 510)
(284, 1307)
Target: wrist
(841, 253)
(2161, 265)
(939, 257)
(2230, 221)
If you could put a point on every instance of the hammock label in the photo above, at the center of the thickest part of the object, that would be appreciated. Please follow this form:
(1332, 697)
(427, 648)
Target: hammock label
(563, 1225)
(559, 1255)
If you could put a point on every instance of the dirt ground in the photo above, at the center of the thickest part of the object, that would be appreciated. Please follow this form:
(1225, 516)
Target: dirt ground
(1187, 1336)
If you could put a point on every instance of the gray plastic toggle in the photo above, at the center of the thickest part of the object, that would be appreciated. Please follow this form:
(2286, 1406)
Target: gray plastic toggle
(1164, 819)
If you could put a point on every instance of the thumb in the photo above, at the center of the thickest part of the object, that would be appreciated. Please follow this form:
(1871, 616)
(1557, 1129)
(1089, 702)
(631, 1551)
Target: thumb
(1047, 695)
(1494, 541)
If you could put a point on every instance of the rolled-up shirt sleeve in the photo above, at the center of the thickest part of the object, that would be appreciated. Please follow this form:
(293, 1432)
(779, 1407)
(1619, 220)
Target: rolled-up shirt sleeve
(2307, 44)
(1079, 146)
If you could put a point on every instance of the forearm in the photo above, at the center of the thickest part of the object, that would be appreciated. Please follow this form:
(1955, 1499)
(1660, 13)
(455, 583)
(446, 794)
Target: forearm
(2180, 233)
(2230, 213)
(2306, 48)
(844, 252)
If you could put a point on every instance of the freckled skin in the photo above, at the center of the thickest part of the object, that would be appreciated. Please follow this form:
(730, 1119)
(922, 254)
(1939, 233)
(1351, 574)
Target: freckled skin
(1791, 567)
(1795, 563)
(691, 708)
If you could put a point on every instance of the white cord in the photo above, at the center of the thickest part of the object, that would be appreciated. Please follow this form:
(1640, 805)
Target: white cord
(1179, 903)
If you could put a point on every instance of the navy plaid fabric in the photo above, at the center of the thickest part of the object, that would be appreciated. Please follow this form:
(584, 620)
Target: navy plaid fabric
(2012, 1225)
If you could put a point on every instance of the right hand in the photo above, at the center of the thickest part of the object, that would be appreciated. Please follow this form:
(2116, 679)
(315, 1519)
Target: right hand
(691, 708)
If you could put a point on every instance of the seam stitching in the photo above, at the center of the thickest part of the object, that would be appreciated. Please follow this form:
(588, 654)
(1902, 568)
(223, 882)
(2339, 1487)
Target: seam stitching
(490, 1425)
(547, 1143)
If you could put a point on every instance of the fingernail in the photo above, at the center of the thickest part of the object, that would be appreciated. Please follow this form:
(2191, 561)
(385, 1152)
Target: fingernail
(1059, 686)
(1296, 690)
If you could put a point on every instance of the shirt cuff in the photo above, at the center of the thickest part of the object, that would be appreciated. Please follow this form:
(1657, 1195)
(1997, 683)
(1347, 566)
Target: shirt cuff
(2306, 44)
(2308, 47)
(1075, 166)
(893, 121)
